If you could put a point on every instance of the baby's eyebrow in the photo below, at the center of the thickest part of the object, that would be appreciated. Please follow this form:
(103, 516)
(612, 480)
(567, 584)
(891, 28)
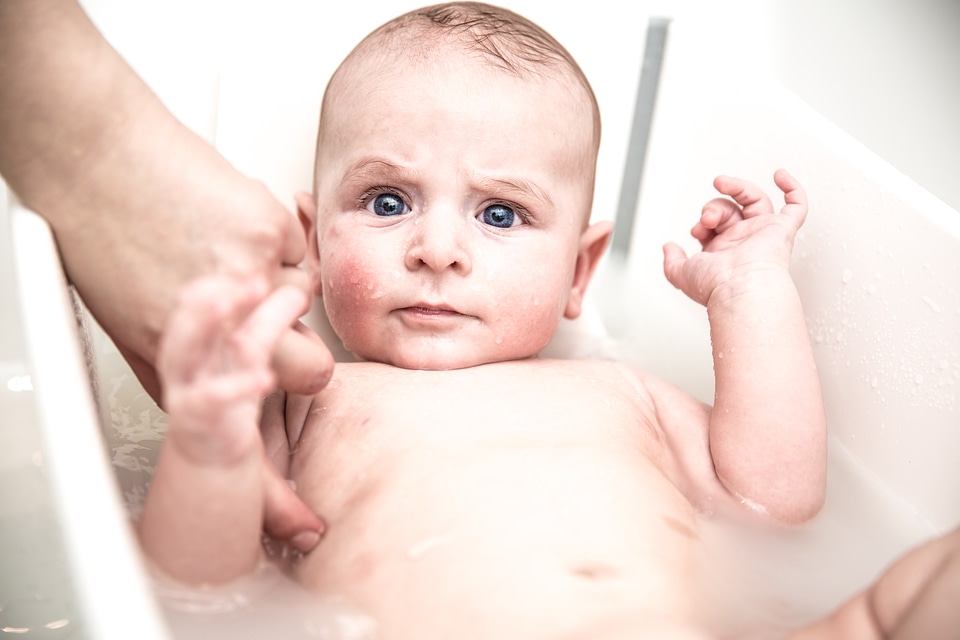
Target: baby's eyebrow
(515, 188)
(378, 170)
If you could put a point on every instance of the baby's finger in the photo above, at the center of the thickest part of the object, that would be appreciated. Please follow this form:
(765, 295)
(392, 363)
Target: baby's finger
(715, 217)
(793, 195)
(262, 329)
(673, 259)
(206, 310)
(748, 195)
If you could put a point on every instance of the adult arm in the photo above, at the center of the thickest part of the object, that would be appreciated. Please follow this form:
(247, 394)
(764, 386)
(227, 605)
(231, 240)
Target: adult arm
(139, 204)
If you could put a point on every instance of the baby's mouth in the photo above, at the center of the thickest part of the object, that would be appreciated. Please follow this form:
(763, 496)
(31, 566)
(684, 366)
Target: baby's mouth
(431, 313)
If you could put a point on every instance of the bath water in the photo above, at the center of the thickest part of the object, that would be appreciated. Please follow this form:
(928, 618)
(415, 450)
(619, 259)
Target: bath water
(759, 582)
(763, 582)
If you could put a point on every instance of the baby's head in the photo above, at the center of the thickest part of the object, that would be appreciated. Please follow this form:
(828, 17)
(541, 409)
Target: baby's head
(449, 225)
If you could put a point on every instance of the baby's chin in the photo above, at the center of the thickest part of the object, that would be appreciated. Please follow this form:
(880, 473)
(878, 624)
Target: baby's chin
(443, 361)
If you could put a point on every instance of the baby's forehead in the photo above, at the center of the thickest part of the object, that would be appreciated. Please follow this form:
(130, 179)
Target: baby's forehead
(392, 58)
(377, 93)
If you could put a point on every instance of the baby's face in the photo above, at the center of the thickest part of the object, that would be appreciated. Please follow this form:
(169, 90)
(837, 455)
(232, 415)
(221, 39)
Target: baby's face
(451, 203)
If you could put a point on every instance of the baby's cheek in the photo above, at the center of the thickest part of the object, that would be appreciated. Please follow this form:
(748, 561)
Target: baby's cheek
(530, 320)
(349, 285)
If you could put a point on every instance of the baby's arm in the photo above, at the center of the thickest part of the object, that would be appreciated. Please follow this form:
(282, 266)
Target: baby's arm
(203, 514)
(767, 428)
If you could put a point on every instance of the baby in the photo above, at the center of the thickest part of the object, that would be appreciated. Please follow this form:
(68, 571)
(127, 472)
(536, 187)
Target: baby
(469, 488)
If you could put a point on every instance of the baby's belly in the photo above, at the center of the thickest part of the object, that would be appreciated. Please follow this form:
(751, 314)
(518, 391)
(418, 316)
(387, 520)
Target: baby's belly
(542, 535)
(521, 544)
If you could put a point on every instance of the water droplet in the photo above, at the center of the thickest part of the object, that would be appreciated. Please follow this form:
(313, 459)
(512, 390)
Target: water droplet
(847, 276)
(918, 379)
(874, 383)
(536, 302)
(720, 355)
(498, 340)
(932, 304)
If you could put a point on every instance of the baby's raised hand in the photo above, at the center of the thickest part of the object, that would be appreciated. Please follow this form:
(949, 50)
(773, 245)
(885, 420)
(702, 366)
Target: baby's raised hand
(214, 364)
(741, 236)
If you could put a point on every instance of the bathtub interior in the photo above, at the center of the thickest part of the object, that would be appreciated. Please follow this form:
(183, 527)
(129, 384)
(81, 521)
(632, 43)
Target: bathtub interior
(71, 567)
(875, 265)
(35, 586)
(877, 269)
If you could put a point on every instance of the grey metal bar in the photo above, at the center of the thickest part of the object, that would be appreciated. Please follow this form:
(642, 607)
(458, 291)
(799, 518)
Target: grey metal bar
(640, 133)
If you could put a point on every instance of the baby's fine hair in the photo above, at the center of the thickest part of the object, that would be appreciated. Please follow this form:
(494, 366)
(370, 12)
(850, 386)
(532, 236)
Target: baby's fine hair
(506, 39)
(501, 37)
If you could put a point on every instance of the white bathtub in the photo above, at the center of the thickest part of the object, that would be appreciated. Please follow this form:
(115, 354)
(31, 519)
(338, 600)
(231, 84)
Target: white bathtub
(877, 265)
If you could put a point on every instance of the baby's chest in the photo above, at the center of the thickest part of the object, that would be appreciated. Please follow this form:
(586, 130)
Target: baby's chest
(555, 493)
(383, 411)
(455, 438)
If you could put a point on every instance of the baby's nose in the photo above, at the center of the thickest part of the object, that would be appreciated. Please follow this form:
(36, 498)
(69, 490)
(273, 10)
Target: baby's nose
(439, 243)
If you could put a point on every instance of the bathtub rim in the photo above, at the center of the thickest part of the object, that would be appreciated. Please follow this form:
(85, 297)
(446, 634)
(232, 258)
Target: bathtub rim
(106, 566)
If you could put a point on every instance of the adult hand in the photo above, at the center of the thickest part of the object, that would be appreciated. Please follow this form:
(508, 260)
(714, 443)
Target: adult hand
(139, 204)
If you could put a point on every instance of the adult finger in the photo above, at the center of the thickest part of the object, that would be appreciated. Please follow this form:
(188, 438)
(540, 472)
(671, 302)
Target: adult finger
(286, 517)
(302, 361)
(265, 324)
(294, 276)
(294, 247)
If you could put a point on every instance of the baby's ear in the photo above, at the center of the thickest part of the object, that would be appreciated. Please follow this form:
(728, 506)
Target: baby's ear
(307, 213)
(593, 241)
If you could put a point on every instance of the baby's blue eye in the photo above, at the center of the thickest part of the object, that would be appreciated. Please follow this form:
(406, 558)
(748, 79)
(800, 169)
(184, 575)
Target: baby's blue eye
(499, 215)
(387, 204)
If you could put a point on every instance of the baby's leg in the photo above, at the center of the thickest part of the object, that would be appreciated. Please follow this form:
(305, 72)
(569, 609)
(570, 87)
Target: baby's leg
(203, 514)
(918, 598)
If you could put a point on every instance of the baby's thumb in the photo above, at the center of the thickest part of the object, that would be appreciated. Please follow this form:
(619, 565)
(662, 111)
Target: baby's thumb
(674, 258)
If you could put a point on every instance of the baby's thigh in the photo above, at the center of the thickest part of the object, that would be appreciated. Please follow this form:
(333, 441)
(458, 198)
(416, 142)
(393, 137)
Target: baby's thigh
(918, 596)
(855, 619)
(913, 599)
